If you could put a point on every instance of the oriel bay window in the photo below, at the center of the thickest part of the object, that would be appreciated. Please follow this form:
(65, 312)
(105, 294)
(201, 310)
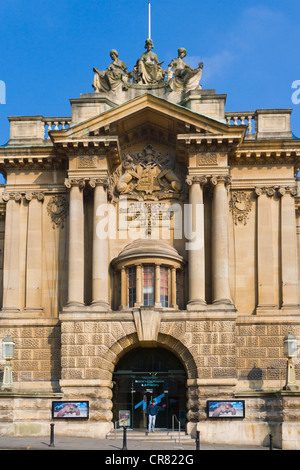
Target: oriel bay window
(148, 279)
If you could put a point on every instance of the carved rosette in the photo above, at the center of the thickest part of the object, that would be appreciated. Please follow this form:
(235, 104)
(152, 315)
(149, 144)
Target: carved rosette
(240, 206)
(57, 210)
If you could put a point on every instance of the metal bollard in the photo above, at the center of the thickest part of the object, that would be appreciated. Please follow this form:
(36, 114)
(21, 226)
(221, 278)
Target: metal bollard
(124, 438)
(51, 435)
(271, 441)
(197, 440)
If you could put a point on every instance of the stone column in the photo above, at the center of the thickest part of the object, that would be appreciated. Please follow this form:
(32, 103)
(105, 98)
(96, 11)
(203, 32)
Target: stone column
(173, 288)
(157, 302)
(11, 262)
(33, 300)
(76, 243)
(289, 249)
(139, 283)
(100, 261)
(196, 250)
(124, 296)
(220, 241)
(265, 257)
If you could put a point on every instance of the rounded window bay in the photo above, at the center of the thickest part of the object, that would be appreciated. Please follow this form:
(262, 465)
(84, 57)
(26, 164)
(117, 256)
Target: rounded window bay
(148, 272)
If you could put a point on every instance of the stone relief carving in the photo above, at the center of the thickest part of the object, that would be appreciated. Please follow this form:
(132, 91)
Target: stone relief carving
(149, 175)
(87, 161)
(240, 205)
(179, 76)
(57, 210)
(207, 159)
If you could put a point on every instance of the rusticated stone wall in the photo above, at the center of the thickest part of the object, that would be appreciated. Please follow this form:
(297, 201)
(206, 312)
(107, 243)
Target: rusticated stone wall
(37, 351)
(260, 357)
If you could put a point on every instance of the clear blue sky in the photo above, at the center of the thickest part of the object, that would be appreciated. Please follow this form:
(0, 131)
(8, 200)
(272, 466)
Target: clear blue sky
(250, 50)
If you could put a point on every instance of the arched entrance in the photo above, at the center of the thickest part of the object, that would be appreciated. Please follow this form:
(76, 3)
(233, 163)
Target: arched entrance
(144, 374)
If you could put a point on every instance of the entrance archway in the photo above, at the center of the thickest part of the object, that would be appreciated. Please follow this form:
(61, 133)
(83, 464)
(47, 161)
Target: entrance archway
(144, 374)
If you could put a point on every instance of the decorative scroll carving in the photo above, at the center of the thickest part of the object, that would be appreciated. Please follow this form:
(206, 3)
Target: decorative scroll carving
(102, 181)
(147, 175)
(18, 196)
(31, 195)
(57, 210)
(269, 191)
(226, 179)
(69, 182)
(287, 190)
(190, 179)
(240, 205)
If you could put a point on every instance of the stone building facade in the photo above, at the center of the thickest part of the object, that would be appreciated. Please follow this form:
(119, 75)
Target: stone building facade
(151, 223)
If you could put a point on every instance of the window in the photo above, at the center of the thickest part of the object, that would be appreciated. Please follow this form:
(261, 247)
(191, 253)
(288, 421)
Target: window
(148, 285)
(164, 286)
(131, 286)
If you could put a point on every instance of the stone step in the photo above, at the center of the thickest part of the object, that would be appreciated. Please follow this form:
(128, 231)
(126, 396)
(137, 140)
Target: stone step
(163, 436)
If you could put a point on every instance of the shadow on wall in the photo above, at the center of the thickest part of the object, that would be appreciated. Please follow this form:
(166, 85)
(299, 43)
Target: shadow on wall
(255, 378)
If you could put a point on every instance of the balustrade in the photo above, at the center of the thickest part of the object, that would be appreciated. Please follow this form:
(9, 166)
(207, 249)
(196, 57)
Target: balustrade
(248, 119)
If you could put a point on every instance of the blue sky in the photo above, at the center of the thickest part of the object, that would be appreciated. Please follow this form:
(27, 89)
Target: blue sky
(250, 50)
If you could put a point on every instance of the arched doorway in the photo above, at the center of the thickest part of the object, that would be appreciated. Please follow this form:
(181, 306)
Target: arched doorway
(144, 374)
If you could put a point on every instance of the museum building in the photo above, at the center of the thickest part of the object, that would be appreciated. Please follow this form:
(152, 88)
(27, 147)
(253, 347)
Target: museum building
(150, 250)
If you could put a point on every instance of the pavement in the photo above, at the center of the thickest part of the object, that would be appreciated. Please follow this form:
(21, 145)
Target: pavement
(111, 445)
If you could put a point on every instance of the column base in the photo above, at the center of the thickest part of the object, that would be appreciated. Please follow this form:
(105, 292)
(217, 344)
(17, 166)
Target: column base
(222, 302)
(10, 311)
(197, 304)
(100, 305)
(75, 304)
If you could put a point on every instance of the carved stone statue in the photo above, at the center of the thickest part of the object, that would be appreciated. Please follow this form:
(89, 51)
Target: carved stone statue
(148, 68)
(168, 173)
(130, 173)
(112, 76)
(181, 74)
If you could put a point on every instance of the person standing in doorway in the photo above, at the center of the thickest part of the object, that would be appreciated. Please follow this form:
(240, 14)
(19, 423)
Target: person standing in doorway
(152, 413)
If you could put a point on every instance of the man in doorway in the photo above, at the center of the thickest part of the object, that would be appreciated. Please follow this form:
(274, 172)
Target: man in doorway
(152, 413)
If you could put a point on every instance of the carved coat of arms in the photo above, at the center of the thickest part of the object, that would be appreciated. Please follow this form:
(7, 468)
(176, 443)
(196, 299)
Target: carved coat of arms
(147, 175)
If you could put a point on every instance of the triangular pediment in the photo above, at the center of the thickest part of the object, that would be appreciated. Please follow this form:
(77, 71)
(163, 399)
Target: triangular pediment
(146, 112)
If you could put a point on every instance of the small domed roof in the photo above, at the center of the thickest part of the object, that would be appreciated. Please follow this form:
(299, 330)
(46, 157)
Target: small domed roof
(149, 248)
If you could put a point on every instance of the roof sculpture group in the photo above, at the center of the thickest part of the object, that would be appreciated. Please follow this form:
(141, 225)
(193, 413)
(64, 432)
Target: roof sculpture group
(148, 71)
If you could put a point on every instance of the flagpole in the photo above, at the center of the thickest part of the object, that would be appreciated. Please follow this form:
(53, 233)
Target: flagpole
(149, 31)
